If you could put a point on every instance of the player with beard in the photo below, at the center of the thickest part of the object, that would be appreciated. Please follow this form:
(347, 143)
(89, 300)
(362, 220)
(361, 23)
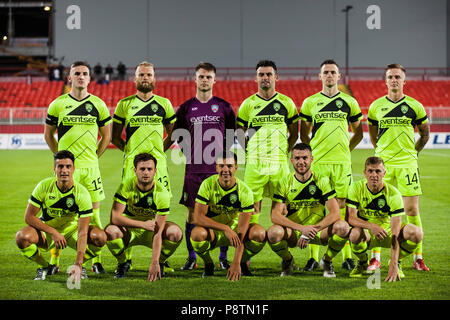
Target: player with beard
(144, 116)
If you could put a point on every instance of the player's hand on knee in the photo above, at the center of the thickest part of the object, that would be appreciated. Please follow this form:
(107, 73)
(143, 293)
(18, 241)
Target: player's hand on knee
(233, 238)
(303, 242)
(309, 231)
(59, 240)
(378, 232)
(150, 225)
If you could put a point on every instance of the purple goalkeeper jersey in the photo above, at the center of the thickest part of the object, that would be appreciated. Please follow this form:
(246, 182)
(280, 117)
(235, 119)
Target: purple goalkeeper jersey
(207, 124)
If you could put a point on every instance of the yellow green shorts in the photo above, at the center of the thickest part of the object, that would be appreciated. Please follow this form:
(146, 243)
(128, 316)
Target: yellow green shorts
(262, 178)
(91, 179)
(340, 176)
(405, 179)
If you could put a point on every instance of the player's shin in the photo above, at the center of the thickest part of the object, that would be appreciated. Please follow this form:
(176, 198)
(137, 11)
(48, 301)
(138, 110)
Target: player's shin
(117, 249)
(335, 244)
(360, 251)
(281, 249)
(251, 248)
(33, 253)
(55, 254)
(415, 220)
(202, 249)
(167, 249)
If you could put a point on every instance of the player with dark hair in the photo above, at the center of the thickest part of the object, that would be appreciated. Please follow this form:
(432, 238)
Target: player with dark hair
(375, 210)
(200, 119)
(222, 212)
(312, 217)
(392, 121)
(64, 222)
(271, 119)
(78, 117)
(138, 217)
(326, 115)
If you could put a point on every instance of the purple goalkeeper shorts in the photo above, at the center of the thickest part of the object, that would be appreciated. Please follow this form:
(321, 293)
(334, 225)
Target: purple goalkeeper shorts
(191, 185)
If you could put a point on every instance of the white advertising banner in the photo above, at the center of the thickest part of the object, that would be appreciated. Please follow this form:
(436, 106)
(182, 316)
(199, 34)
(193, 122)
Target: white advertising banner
(30, 141)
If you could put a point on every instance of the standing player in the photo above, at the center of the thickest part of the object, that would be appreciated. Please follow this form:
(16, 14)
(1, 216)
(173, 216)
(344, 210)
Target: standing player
(144, 116)
(392, 119)
(222, 213)
(66, 212)
(375, 211)
(200, 116)
(307, 197)
(138, 217)
(328, 114)
(272, 122)
(79, 117)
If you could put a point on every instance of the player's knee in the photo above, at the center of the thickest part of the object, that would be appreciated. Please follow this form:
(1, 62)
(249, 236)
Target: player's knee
(413, 233)
(341, 228)
(257, 233)
(275, 234)
(24, 238)
(355, 235)
(112, 232)
(199, 234)
(173, 232)
(98, 237)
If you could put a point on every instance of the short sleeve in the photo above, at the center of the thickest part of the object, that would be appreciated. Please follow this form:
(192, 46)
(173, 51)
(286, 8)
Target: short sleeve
(352, 197)
(305, 111)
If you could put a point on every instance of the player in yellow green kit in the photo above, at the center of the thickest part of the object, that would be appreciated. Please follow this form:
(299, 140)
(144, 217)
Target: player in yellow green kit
(78, 117)
(139, 217)
(272, 122)
(375, 210)
(392, 121)
(312, 214)
(66, 209)
(144, 116)
(222, 213)
(326, 115)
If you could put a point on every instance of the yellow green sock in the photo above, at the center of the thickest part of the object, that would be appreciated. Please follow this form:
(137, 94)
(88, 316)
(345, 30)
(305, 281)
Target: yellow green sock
(167, 249)
(281, 249)
(415, 220)
(406, 248)
(55, 254)
(251, 248)
(33, 253)
(360, 250)
(202, 249)
(335, 244)
(117, 248)
(314, 251)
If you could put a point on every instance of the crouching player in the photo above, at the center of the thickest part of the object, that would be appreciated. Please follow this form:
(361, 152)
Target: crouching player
(138, 217)
(224, 205)
(66, 212)
(307, 197)
(375, 210)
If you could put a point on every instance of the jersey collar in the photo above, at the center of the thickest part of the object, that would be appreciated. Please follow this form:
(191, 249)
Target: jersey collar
(276, 93)
(77, 99)
(396, 101)
(330, 97)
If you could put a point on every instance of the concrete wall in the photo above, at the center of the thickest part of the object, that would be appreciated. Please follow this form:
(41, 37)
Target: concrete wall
(238, 33)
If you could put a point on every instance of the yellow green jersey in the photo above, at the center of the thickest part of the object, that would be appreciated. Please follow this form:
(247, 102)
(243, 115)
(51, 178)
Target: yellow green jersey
(305, 201)
(396, 122)
(77, 123)
(267, 121)
(144, 124)
(224, 206)
(376, 208)
(330, 118)
(61, 210)
(141, 205)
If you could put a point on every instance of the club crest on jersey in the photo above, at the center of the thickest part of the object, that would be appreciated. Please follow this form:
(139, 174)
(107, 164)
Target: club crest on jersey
(150, 200)
(381, 203)
(69, 202)
(312, 189)
(276, 106)
(233, 198)
(404, 109)
(154, 107)
(88, 107)
(214, 108)
(339, 103)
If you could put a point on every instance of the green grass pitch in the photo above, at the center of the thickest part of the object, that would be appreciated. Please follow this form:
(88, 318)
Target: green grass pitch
(21, 170)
